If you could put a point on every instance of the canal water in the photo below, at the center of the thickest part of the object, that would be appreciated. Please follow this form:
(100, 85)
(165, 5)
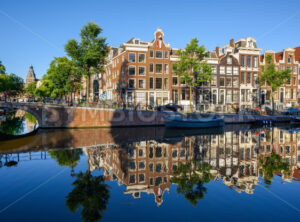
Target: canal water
(236, 173)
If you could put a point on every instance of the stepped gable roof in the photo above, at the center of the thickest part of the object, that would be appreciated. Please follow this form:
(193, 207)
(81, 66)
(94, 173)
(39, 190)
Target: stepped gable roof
(31, 74)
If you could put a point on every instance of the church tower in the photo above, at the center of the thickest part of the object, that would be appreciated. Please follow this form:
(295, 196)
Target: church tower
(30, 76)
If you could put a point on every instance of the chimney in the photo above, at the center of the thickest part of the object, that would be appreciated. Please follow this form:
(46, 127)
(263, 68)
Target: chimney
(217, 50)
(231, 43)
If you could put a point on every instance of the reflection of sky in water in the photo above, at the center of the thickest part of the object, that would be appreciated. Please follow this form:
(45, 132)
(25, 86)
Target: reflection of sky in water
(38, 185)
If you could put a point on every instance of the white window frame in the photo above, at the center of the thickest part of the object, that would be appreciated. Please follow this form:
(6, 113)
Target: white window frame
(235, 70)
(177, 80)
(166, 71)
(224, 81)
(162, 68)
(139, 57)
(144, 70)
(235, 86)
(166, 51)
(162, 54)
(153, 67)
(215, 79)
(229, 60)
(143, 84)
(229, 70)
(162, 83)
(130, 53)
(222, 70)
(134, 70)
(134, 83)
(255, 61)
(214, 69)
(151, 50)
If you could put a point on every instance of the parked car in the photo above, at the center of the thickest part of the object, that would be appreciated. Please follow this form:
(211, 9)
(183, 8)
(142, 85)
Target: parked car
(291, 111)
(169, 107)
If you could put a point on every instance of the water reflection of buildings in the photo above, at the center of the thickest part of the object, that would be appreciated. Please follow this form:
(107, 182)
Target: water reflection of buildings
(144, 166)
(147, 166)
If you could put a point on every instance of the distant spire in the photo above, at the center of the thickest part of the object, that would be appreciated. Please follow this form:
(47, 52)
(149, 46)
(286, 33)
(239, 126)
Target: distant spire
(31, 74)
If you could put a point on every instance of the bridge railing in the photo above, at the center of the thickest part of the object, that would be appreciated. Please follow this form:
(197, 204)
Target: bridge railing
(100, 104)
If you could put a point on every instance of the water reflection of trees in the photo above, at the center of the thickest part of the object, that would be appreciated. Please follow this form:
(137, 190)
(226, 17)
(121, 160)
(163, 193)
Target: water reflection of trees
(91, 193)
(269, 165)
(190, 179)
(13, 125)
(67, 157)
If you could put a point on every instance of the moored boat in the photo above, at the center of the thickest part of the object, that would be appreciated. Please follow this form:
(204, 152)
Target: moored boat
(193, 121)
(295, 120)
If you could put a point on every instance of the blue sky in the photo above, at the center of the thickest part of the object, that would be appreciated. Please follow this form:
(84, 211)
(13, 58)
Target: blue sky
(35, 31)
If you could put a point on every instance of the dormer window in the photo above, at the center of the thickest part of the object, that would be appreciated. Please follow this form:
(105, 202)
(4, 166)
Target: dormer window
(229, 60)
(250, 44)
(137, 41)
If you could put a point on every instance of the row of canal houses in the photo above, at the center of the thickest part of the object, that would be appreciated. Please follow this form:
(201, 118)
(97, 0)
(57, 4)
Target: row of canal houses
(140, 73)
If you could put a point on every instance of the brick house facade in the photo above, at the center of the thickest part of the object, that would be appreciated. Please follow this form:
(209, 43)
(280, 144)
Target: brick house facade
(140, 73)
(287, 94)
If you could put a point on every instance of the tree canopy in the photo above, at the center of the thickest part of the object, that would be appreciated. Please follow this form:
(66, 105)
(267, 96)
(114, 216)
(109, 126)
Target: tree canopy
(62, 78)
(63, 75)
(30, 89)
(90, 53)
(10, 84)
(191, 67)
(273, 78)
(2, 68)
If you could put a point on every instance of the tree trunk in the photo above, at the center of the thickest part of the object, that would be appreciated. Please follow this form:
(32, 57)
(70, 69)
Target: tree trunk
(191, 99)
(88, 88)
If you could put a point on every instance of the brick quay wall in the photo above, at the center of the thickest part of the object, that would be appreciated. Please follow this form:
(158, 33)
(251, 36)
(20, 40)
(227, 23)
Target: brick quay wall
(53, 116)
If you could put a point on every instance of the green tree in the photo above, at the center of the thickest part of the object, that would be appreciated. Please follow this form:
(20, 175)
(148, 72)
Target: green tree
(2, 68)
(191, 67)
(10, 85)
(273, 78)
(91, 193)
(63, 76)
(271, 164)
(90, 53)
(44, 90)
(190, 179)
(30, 89)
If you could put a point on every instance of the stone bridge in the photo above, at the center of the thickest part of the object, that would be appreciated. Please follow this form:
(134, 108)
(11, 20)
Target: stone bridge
(58, 116)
